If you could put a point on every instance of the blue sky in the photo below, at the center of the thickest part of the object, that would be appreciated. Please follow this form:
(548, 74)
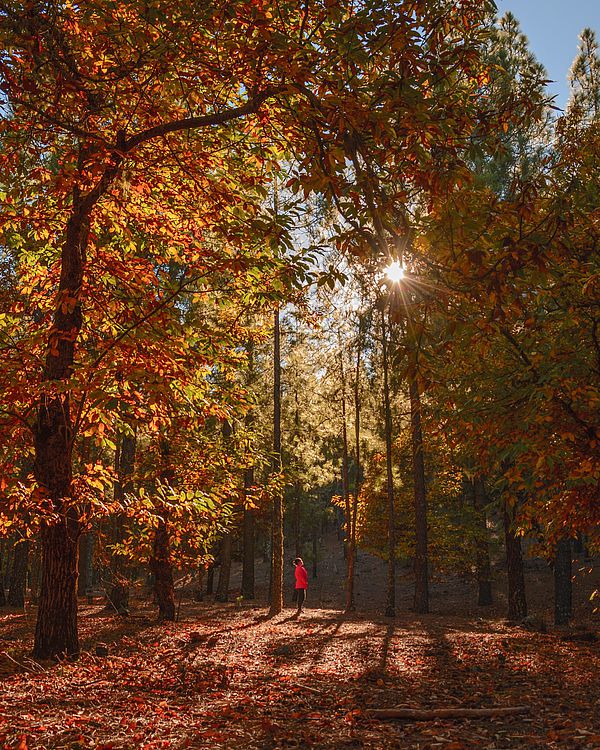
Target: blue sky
(553, 28)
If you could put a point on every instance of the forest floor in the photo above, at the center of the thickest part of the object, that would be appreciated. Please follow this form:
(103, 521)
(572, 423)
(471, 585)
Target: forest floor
(225, 676)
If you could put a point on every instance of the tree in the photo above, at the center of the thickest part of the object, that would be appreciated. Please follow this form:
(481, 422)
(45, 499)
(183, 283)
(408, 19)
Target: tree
(277, 522)
(124, 125)
(584, 80)
(390, 602)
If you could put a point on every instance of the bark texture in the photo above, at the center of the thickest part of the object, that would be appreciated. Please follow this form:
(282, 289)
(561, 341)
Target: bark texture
(249, 541)
(434, 714)
(18, 574)
(225, 569)
(3, 543)
(56, 628)
(482, 550)
(390, 602)
(563, 586)
(85, 563)
(517, 602)
(160, 565)
(277, 518)
(118, 589)
(421, 599)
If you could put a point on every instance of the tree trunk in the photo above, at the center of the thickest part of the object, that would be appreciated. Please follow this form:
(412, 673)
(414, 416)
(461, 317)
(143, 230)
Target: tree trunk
(160, 565)
(3, 543)
(482, 550)
(390, 604)
(118, 591)
(225, 569)
(562, 582)
(297, 540)
(35, 573)
(8, 554)
(421, 599)
(85, 579)
(277, 523)
(346, 489)
(199, 593)
(352, 548)
(56, 628)
(160, 561)
(249, 541)
(18, 574)
(517, 603)
(210, 579)
(437, 714)
(315, 539)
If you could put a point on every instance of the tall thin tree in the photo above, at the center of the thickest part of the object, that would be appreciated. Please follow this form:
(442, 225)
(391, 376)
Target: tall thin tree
(277, 520)
(390, 602)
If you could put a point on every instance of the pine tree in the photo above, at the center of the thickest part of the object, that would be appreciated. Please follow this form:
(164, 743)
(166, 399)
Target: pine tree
(584, 79)
(517, 91)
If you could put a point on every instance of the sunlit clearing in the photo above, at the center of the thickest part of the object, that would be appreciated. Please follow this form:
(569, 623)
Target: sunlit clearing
(395, 271)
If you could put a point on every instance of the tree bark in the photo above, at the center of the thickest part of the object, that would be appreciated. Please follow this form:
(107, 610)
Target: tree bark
(277, 522)
(297, 521)
(160, 561)
(56, 628)
(85, 563)
(35, 573)
(517, 603)
(18, 574)
(350, 604)
(3, 543)
(118, 590)
(225, 569)
(346, 488)
(199, 593)
(390, 604)
(210, 579)
(249, 541)
(160, 565)
(563, 586)
(421, 599)
(433, 714)
(482, 550)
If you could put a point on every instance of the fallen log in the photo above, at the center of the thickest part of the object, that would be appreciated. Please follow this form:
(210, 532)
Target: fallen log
(425, 714)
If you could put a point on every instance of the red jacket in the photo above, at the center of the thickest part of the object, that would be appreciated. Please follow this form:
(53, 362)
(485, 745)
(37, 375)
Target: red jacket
(301, 577)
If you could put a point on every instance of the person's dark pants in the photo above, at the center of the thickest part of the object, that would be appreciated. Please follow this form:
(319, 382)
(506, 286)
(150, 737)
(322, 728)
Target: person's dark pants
(301, 597)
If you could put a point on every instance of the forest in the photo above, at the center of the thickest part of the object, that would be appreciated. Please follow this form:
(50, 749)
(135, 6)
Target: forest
(297, 299)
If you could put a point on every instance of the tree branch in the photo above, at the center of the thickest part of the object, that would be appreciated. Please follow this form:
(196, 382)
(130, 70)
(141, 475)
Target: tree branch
(192, 123)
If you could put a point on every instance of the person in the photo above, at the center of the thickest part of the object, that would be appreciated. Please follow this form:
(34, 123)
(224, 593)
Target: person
(301, 577)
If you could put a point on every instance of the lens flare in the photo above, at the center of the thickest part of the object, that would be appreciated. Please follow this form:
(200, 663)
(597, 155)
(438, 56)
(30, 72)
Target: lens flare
(395, 271)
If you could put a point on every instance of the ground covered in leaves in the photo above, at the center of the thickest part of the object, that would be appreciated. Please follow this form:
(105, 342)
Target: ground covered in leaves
(227, 677)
